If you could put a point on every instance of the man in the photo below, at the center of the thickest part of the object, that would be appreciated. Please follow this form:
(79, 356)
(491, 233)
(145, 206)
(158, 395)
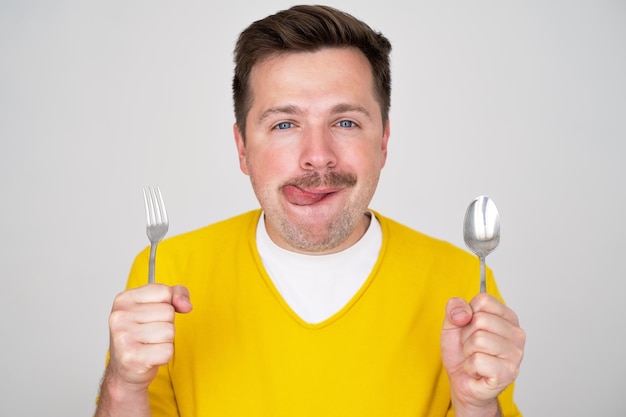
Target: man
(313, 305)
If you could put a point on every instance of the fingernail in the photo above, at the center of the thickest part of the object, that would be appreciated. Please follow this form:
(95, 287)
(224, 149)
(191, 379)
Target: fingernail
(458, 313)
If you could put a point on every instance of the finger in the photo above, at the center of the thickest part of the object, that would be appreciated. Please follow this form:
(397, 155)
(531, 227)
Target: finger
(150, 293)
(491, 372)
(180, 299)
(122, 320)
(489, 304)
(155, 333)
(132, 336)
(156, 354)
(154, 312)
(493, 345)
(141, 364)
(177, 296)
(458, 314)
(487, 323)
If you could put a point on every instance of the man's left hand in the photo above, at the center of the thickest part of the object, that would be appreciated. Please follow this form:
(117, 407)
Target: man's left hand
(482, 346)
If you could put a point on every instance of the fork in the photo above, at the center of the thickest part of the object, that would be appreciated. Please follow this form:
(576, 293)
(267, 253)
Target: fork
(156, 224)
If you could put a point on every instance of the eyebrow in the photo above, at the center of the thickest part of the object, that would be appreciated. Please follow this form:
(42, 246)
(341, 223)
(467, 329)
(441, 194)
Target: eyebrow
(292, 109)
(288, 109)
(342, 108)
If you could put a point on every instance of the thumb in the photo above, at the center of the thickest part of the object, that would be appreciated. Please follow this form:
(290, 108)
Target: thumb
(458, 314)
(180, 299)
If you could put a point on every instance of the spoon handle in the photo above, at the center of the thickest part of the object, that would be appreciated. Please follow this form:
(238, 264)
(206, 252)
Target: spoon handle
(483, 280)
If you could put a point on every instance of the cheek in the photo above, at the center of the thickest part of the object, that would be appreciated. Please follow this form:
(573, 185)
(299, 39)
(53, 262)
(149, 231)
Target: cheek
(265, 166)
(367, 161)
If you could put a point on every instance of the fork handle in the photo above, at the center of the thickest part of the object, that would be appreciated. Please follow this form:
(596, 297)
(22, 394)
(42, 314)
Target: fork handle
(151, 263)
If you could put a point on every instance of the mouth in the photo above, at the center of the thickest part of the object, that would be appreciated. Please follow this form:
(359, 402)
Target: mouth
(301, 197)
(315, 187)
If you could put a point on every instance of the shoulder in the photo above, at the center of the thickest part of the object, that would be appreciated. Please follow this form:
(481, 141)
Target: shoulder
(221, 232)
(401, 237)
(208, 241)
(447, 269)
(184, 256)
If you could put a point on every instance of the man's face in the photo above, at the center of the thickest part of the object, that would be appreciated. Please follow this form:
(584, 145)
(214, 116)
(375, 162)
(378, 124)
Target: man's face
(315, 146)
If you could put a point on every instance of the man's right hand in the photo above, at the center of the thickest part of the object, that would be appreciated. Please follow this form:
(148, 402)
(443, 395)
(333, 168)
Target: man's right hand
(142, 331)
(141, 339)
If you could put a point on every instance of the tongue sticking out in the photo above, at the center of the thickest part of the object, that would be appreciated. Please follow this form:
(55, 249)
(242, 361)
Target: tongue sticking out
(300, 197)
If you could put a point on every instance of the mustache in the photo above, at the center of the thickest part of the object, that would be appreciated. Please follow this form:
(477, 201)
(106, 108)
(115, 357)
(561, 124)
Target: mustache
(326, 179)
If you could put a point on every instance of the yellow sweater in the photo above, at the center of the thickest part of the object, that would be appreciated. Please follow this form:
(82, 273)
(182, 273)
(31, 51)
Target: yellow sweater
(242, 352)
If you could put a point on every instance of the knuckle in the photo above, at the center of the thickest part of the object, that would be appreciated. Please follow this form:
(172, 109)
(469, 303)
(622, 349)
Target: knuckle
(163, 312)
(116, 319)
(520, 336)
(162, 354)
(169, 332)
(513, 371)
(167, 351)
(170, 312)
(127, 358)
(479, 320)
(514, 317)
(120, 299)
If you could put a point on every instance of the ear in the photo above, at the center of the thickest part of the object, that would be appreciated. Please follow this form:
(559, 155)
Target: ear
(241, 149)
(383, 144)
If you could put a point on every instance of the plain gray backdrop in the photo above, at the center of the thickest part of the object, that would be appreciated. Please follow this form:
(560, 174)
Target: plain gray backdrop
(524, 101)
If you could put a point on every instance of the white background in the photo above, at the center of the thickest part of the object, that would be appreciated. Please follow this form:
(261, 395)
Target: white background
(524, 101)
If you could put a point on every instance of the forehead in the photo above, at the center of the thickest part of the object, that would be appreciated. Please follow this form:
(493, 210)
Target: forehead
(312, 62)
(339, 70)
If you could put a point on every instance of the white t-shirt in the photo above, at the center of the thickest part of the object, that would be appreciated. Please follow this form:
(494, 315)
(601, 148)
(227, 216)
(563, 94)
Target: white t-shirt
(318, 286)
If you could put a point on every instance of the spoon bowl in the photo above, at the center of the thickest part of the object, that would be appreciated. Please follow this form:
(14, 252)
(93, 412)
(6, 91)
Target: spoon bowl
(481, 231)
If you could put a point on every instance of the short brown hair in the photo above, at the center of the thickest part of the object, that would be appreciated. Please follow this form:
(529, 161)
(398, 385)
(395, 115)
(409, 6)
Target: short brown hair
(304, 29)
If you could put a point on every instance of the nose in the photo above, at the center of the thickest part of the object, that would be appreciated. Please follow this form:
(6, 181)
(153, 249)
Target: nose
(318, 149)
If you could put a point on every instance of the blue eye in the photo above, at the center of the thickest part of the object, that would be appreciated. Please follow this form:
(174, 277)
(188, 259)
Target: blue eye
(346, 123)
(284, 125)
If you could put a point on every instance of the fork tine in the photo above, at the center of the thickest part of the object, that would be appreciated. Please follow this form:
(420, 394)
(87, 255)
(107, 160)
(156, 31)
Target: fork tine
(155, 216)
(151, 215)
(147, 203)
(155, 206)
(161, 205)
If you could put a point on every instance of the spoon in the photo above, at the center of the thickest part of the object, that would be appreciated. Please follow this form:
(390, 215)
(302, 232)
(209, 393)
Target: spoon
(481, 231)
